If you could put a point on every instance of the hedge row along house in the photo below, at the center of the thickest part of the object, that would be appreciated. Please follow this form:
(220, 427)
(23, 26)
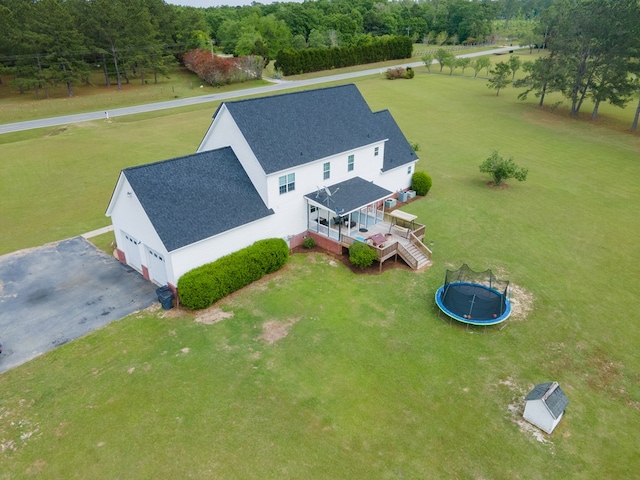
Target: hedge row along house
(316, 162)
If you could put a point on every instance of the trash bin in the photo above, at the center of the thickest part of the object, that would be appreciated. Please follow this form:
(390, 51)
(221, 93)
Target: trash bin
(162, 289)
(165, 297)
(166, 300)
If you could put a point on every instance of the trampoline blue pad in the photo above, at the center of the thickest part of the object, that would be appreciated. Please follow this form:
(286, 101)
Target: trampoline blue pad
(479, 302)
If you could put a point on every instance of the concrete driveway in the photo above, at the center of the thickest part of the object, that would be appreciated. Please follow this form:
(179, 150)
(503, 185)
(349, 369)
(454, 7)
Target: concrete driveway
(50, 295)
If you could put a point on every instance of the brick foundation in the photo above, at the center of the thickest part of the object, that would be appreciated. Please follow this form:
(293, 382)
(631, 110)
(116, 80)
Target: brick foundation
(326, 243)
(122, 258)
(145, 273)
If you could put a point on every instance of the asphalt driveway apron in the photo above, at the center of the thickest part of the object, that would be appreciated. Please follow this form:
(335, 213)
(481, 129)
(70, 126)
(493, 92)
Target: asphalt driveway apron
(50, 295)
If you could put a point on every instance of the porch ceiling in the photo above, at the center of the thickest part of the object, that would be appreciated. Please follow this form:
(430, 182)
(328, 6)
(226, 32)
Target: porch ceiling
(348, 196)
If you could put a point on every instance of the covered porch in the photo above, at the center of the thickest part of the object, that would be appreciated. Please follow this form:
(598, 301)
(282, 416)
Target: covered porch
(354, 211)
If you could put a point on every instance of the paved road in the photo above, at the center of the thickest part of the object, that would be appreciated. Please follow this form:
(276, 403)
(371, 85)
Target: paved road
(275, 87)
(52, 294)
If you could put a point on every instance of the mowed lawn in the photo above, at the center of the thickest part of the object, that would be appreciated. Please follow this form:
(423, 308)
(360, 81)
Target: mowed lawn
(321, 373)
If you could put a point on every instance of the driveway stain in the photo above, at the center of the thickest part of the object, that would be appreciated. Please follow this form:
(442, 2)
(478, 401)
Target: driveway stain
(54, 294)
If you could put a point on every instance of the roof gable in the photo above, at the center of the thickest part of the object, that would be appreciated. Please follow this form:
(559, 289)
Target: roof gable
(349, 195)
(397, 150)
(285, 131)
(551, 395)
(191, 198)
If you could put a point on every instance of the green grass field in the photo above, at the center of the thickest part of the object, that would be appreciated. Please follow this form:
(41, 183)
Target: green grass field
(367, 382)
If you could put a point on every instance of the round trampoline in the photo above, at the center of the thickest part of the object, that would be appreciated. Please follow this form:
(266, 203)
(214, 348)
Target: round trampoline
(475, 298)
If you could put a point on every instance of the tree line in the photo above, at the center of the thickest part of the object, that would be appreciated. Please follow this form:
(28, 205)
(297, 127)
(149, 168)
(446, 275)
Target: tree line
(594, 53)
(60, 42)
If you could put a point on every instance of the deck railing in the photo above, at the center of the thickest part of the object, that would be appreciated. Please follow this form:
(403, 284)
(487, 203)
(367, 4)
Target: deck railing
(420, 246)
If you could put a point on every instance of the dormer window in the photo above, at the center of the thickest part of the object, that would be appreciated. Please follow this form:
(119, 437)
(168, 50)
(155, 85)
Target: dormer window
(326, 170)
(287, 183)
(350, 163)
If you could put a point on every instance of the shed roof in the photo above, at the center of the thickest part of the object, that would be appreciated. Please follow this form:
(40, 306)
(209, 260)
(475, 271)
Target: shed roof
(552, 396)
(349, 195)
(292, 129)
(191, 198)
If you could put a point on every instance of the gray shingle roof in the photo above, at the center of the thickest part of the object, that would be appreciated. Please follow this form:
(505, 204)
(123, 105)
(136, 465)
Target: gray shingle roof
(292, 129)
(349, 195)
(552, 395)
(197, 196)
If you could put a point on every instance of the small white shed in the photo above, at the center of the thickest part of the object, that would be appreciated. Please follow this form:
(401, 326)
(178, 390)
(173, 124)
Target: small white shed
(545, 405)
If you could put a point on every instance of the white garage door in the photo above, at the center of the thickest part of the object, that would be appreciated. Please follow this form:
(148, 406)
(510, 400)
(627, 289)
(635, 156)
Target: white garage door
(157, 267)
(132, 251)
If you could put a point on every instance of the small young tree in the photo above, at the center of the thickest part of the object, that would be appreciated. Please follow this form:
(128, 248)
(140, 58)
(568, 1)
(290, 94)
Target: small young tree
(441, 38)
(514, 64)
(451, 63)
(428, 38)
(464, 63)
(428, 60)
(479, 64)
(502, 169)
(499, 77)
(443, 57)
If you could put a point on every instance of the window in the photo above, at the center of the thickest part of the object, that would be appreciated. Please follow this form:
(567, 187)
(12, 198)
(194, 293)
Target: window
(350, 163)
(287, 183)
(326, 169)
(409, 170)
(376, 151)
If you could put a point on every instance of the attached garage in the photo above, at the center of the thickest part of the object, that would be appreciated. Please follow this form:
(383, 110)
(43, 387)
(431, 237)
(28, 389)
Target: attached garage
(157, 267)
(132, 251)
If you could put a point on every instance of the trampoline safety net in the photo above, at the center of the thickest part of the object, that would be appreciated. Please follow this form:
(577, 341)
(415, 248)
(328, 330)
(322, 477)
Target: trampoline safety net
(478, 295)
(465, 275)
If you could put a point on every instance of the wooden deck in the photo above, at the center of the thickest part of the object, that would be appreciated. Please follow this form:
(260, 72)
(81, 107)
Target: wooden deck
(402, 241)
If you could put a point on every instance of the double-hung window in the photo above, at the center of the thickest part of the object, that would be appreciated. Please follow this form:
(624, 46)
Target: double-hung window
(287, 183)
(350, 163)
(376, 151)
(326, 170)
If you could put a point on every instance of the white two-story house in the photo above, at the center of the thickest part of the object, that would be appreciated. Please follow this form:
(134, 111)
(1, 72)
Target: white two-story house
(281, 166)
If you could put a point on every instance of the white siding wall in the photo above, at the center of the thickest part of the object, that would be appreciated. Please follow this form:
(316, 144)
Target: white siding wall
(228, 134)
(127, 215)
(211, 249)
(536, 412)
(396, 179)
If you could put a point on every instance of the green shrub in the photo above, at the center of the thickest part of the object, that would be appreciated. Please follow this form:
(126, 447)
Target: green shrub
(309, 242)
(502, 169)
(421, 182)
(410, 73)
(205, 285)
(361, 254)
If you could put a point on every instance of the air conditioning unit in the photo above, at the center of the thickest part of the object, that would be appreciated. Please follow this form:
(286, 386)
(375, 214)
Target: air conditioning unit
(403, 196)
(390, 203)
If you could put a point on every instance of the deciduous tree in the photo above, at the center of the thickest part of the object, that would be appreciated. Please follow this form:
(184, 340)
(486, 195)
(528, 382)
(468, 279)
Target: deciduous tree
(499, 77)
(502, 169)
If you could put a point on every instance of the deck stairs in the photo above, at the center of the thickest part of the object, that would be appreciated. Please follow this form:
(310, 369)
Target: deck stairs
(418, 260)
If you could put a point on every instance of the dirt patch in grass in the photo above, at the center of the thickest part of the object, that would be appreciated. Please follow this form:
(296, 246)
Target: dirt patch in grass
(212, 315)
(57, 131)
(521, 302)
(516, 409)
(273, 330)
